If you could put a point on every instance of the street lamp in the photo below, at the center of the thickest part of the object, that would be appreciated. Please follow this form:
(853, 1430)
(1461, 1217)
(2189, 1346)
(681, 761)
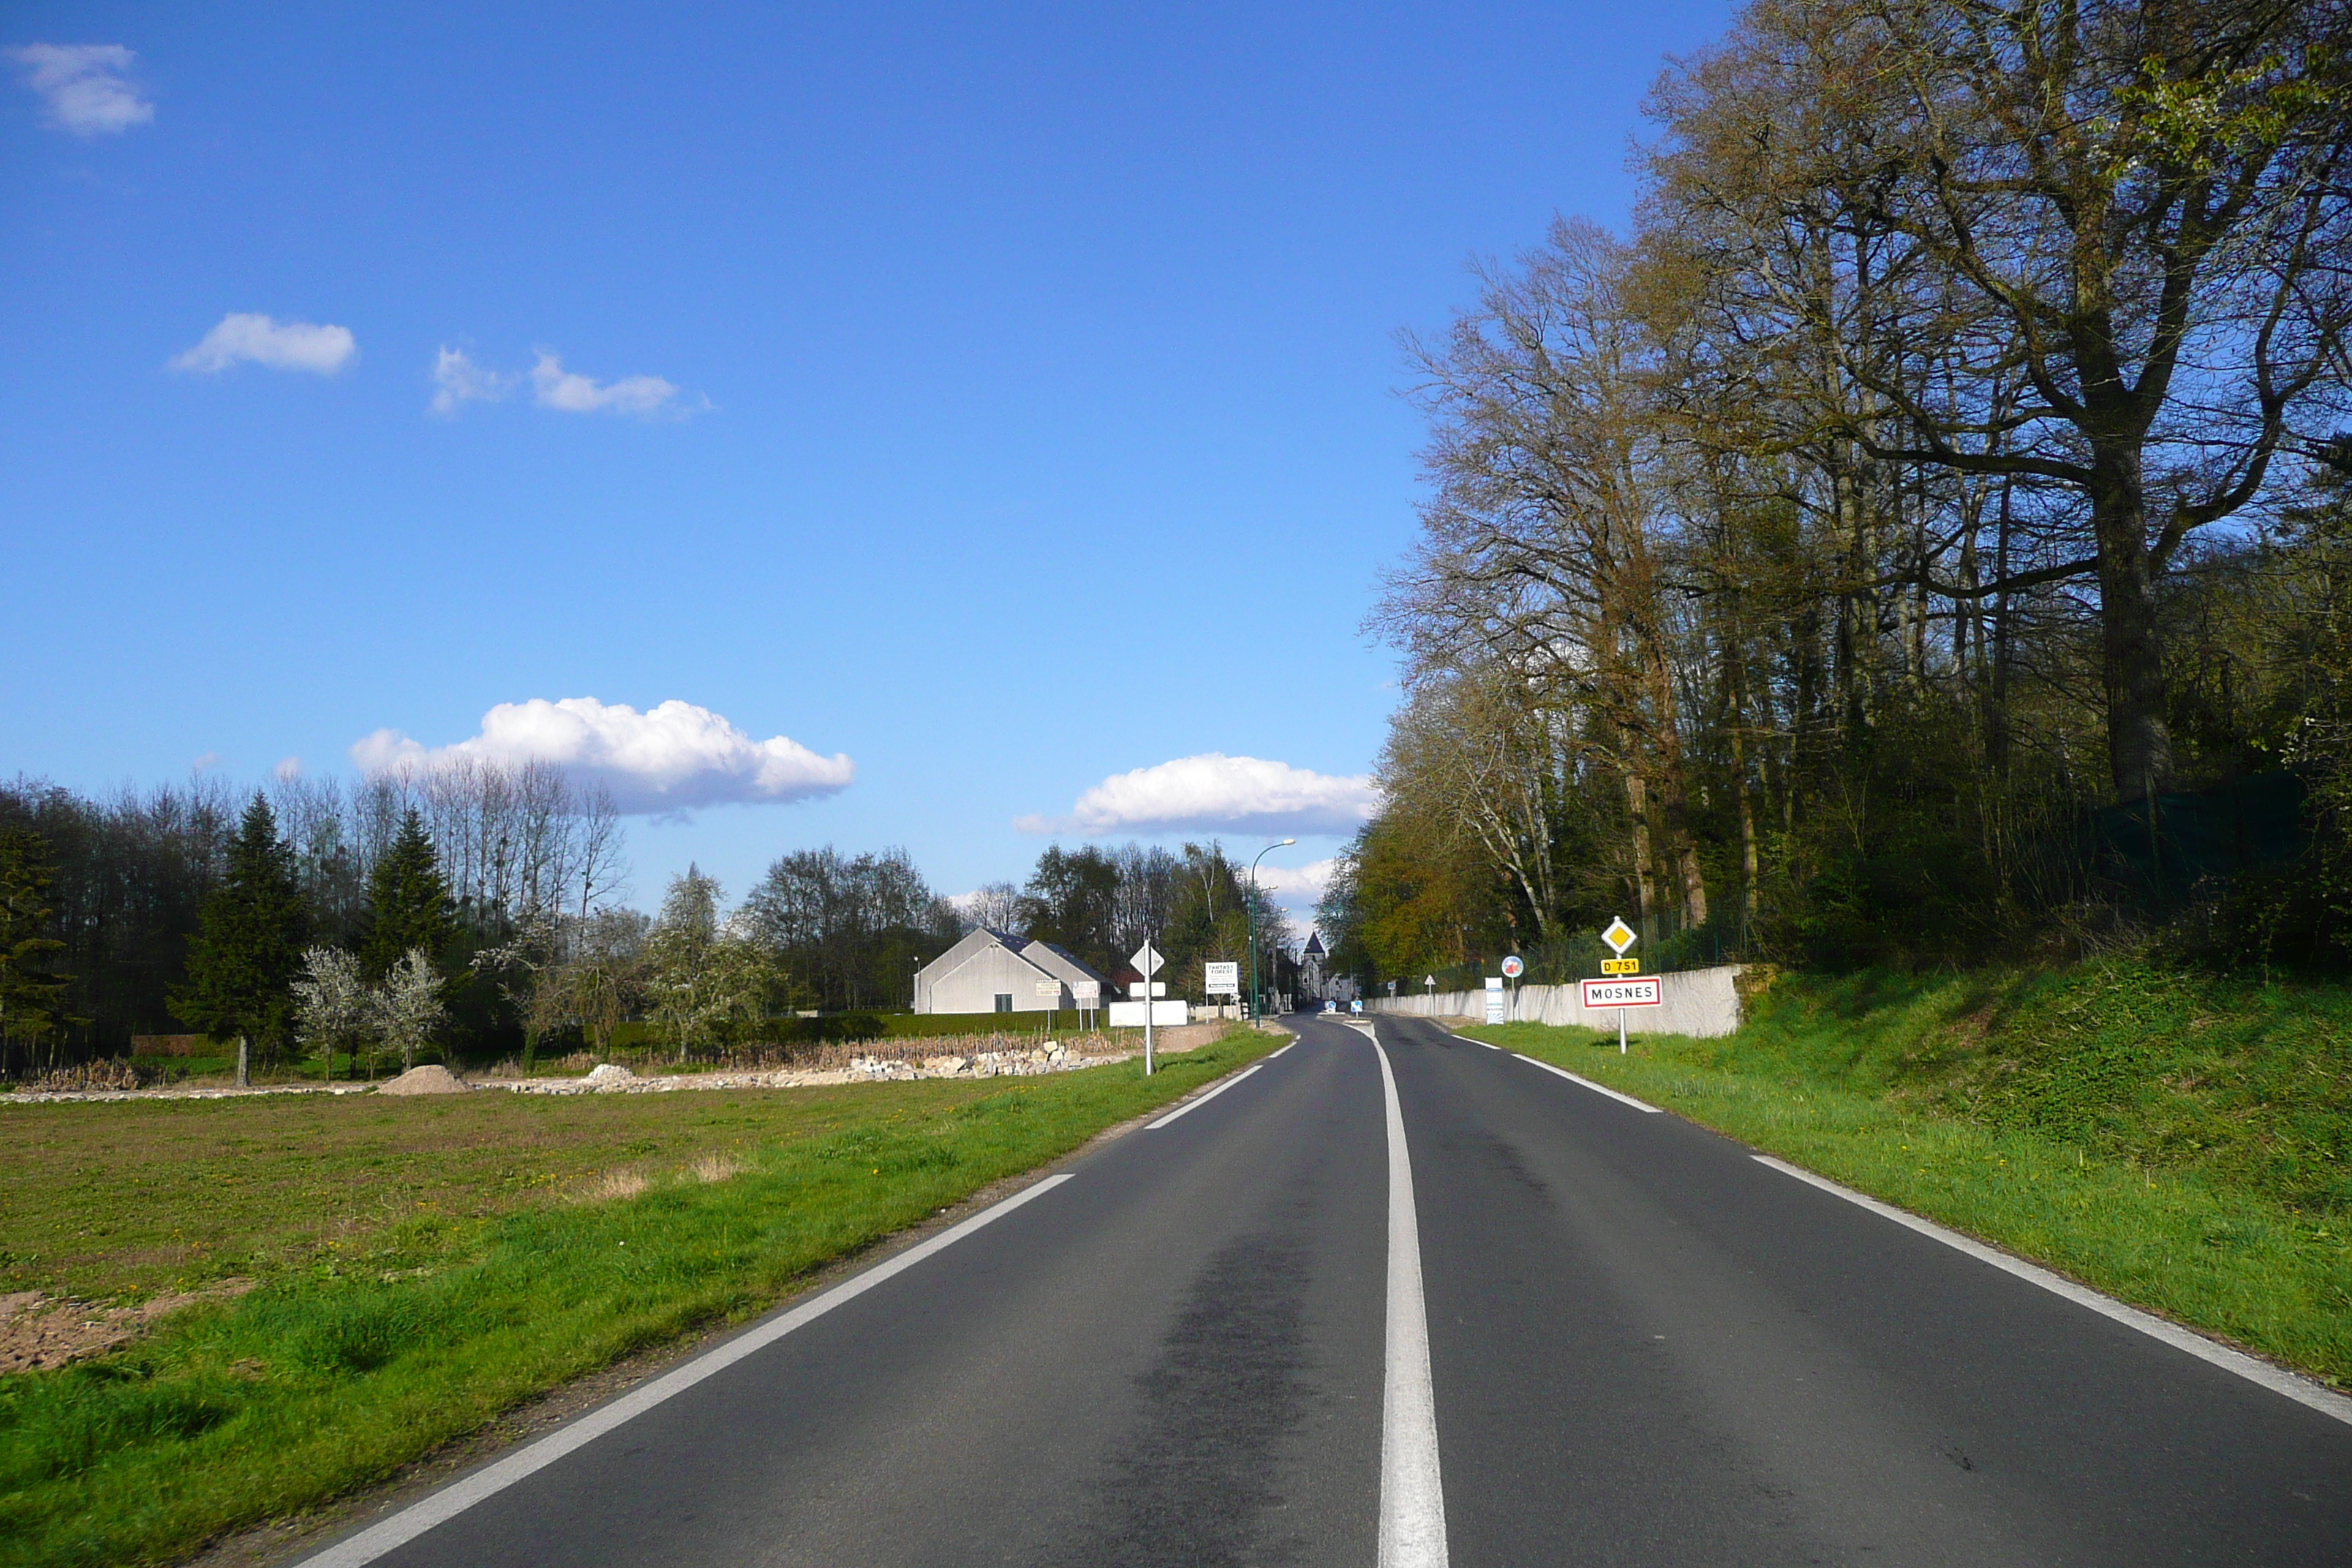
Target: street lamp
(1256, 1012)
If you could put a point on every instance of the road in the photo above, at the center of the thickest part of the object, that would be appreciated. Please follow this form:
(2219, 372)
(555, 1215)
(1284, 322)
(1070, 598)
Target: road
(1199, 1346)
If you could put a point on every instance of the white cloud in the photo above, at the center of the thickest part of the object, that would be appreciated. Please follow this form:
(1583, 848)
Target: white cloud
(87, 86)
(552, 386)
(281, 346)
(1214, 791)
(457, 379)
(288, 769)
(1299, 885)
(671, 758)
(205, 764)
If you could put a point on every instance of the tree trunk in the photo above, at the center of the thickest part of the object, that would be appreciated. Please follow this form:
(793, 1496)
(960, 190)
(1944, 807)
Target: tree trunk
(2139, 739)
(244, 1076)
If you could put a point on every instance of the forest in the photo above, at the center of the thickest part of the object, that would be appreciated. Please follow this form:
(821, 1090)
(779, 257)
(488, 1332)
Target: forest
(1924, 531)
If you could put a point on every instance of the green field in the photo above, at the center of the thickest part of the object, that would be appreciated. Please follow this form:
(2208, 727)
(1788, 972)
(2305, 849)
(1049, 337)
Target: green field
(425, 1264)
(2182, 1141)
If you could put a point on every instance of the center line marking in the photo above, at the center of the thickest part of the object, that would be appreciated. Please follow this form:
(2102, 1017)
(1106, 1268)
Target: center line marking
(1412, 1494)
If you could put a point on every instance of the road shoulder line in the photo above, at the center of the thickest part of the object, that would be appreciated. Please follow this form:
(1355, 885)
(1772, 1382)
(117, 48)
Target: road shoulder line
(1563, 1072)
(390, 1534)
(2278, 1379)
(1194, 1104)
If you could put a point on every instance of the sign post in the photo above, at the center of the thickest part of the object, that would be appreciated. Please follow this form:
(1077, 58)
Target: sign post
(1050, 991)
(1513, 967)
(1147, 962)
(1086, 994)
(1226, 980)
(1494, 999)
(1621, 936)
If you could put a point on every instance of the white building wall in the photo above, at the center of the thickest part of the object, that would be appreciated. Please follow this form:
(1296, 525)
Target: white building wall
(993, 970)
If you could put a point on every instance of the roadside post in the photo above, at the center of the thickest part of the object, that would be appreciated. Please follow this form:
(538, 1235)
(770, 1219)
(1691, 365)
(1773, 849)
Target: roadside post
(1513, 967)
(1429, 986)
(1495, 1004)
(1051, 990)
(1650, 993)
(1086, 994)
(1147, 962)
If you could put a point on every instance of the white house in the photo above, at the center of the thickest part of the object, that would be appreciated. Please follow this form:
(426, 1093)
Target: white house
(993, 971)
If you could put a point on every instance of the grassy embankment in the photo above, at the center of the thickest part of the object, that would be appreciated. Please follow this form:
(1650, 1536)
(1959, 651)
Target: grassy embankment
(425, 1264)
(2179, 1140)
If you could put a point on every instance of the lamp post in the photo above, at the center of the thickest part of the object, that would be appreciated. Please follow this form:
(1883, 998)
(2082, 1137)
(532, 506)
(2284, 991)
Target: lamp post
(1256, 1011)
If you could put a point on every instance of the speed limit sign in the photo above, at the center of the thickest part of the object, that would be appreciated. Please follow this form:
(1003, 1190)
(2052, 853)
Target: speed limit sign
(1513, 968)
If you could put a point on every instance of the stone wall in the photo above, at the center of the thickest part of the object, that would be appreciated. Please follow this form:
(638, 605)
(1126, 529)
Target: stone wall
(1704, 1003)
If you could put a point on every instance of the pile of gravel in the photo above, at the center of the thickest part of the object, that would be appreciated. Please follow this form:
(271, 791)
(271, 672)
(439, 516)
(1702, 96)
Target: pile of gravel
(434, 1079)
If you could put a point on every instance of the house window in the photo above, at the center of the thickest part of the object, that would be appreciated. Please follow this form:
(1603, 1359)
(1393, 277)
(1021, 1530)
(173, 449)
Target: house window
(1004, 1001)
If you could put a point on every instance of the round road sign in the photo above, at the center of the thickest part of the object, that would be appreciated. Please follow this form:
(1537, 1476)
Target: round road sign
(1513, 968)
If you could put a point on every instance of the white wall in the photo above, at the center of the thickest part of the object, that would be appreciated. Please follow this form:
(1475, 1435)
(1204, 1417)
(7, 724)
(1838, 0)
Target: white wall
(981, 979)
(1703, 1002)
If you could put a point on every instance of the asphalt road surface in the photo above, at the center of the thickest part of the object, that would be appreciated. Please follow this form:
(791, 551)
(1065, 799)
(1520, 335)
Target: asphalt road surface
(1410, 1304)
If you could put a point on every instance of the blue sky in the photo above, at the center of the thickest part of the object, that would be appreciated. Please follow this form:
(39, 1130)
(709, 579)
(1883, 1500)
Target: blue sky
(1000, 398)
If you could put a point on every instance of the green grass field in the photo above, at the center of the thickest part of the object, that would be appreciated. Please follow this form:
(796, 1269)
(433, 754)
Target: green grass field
(426, 1263)
(2179, 1140)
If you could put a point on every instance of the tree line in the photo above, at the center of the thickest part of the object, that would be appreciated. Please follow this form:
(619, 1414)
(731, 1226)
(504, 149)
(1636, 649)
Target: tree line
(474, 910)
(1923, 533)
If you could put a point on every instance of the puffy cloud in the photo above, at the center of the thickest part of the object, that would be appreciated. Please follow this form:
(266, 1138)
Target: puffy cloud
(675, 757)
(457, 379)
(288, 769)
(205, 764)
(87, 86)
(1300, 885)
(552, 386)
(1214, 791)
(281, 346)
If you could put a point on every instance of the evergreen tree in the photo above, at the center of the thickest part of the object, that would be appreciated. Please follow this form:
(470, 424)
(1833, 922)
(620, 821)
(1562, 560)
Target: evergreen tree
(409, 905)
(249, 945)
(32, 994)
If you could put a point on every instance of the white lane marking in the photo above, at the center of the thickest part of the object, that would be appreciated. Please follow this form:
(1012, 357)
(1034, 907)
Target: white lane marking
(452, 1501)
(1412, 1495)
(1293, 1044)
(1595, 1088)
(1191, 1105)
(2301, 1390)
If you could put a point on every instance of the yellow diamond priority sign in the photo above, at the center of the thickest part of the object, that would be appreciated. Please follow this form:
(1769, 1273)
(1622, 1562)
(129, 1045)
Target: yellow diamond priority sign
(1619, 936)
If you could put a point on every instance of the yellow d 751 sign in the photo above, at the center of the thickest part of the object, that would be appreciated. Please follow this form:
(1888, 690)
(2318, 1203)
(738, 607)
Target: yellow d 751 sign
(1621, 966)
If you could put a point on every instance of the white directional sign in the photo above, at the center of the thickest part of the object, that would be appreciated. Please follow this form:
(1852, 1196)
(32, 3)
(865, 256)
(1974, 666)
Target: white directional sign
(1620, 936)
(1088, 992)
(1225, 980)
(1495, 1008)
(1050, 988)
(1147, 960)
(1633, 991)
(1513, 968)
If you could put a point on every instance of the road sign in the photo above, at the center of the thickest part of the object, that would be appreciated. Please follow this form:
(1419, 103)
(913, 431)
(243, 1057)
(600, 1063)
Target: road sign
(1639, 991)
(1430, 980)
(1513, 968)
(1621, 966)
(1620, 936)
(1050, 988)
(1087, 991)
(1495, 1007)
(1225, 979)
(1147, 960)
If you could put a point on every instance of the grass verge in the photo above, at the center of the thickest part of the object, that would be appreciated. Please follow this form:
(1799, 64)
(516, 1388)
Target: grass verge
(426, 1265)
(2181, 1141)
